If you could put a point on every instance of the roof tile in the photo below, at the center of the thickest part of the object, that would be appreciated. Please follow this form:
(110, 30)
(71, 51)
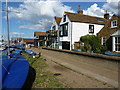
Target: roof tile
(40, 33)
(58, 20)
(77, 17)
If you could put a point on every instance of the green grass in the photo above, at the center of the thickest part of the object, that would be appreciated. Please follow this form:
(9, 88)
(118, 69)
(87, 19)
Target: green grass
(43, 78)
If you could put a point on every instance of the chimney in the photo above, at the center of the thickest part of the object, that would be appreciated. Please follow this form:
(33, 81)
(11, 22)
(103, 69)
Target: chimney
(106, 15)
(79, 11)
(55, 17)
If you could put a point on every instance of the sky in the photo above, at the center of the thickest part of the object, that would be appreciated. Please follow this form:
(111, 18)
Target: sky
(27, 17)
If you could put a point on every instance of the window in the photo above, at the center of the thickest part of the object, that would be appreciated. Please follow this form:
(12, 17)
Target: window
(64, 18)
(60, 31)
(104, 41)
(36, 37)
(91, 28)
(53, 28)
(114, 24)
(117, 43)
(64, 28)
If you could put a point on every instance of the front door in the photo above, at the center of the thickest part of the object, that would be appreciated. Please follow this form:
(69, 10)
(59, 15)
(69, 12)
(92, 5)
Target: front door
(66, 45)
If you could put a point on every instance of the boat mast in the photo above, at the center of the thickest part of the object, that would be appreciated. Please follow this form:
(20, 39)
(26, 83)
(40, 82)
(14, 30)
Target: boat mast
(7, 27)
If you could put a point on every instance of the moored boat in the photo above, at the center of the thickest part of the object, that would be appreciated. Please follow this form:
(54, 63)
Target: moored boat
(14, 71)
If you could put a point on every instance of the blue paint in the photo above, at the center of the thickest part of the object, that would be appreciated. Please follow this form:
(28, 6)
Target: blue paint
(76, 50)
(30, 52)
(18, 51)
(18, 68)
(112, 53)
(20, 46)
(13, 46)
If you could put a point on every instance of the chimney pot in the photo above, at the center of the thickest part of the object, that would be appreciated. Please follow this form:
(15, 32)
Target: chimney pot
(106, 15)
(79, 11)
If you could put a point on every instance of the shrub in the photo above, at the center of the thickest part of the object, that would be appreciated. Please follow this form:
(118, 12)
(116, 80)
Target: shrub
(103, 49)
(91, 42)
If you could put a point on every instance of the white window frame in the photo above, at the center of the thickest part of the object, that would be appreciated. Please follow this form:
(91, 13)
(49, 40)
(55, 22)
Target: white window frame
(103, 41)
(91, 31)
(112, 23)
(36, 37)
(117, 44)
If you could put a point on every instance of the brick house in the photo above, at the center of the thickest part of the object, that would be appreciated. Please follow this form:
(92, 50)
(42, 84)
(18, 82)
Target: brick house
(28, 41)
(40, 38)
(110, 34)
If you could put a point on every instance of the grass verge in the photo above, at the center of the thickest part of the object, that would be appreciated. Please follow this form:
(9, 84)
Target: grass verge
(42, 78)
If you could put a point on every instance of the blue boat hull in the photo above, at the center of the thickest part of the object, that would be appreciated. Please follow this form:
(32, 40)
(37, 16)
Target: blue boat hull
(30, 52)
(14, 71)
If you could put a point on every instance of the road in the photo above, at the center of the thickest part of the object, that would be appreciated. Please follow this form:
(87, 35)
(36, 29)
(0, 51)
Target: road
(99, 69)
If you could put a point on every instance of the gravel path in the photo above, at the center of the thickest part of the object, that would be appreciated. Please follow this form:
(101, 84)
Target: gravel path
(86, 67)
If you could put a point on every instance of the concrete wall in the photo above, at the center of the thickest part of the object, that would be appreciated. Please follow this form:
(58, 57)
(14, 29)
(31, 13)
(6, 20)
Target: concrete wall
(94, 55)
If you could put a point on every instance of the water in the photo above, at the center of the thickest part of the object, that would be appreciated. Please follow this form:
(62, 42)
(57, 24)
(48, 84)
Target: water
(3, 52)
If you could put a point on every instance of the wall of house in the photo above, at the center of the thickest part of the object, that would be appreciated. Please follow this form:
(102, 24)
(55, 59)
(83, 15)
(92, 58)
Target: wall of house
(54, 24)
(65, 38)
(78, 30)
(81, 29)
(56, 28)
(107, 31)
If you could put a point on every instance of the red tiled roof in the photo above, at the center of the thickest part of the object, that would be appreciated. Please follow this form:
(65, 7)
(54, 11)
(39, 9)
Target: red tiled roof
(40, 33)
(77, 17)
(28, 40)
(107, 31)
(58, 19)
(40, 40)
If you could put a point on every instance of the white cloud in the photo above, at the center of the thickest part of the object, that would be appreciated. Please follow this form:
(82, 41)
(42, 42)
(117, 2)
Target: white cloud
(39, 13)
(94, 10)
(42, 24)
(112, 0)
(110, 6)
(17, 33)
(113, 7)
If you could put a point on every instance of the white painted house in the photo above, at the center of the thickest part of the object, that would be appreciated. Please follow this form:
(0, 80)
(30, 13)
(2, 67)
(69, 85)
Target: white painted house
(56, 22)
(53, 32)
(75, 25)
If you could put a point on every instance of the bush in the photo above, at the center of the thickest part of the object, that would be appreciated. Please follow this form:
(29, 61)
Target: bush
(103, 49)
(91, 42)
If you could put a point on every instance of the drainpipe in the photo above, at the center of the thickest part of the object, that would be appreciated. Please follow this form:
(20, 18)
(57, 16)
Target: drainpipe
(71, 36)
(58, 37)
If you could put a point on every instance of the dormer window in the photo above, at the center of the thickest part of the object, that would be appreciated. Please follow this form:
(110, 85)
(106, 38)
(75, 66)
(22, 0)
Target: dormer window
(64, 18)
(114, 24)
